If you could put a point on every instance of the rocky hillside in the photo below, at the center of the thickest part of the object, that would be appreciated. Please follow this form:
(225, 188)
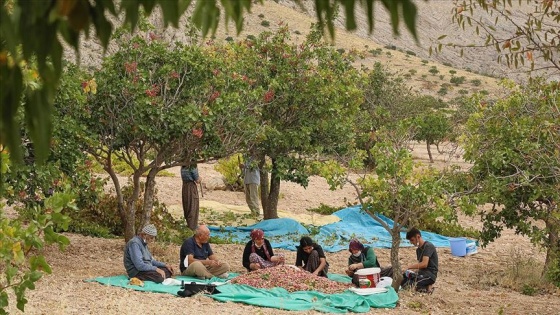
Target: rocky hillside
(426, 74)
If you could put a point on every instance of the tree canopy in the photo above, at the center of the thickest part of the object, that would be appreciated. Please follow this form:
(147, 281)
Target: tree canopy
(513, 144)
(32, 34)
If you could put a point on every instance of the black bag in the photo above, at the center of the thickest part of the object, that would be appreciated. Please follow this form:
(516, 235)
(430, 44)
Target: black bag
(190, 289)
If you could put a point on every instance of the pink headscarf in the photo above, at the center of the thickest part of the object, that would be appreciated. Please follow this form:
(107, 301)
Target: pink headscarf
(257, 234)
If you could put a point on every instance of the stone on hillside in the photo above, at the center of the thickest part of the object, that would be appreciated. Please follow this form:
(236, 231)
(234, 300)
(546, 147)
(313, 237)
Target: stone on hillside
(215, 183)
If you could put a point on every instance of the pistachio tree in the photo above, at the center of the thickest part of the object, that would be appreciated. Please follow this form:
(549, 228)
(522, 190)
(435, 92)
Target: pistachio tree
(154, 106)
(514, 144)
(308, 96)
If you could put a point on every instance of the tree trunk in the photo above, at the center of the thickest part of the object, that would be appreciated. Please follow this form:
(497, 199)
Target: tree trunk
(130, 219)
(553, 249)
(270, 211)
(149, 192)
(429, 152)
(118, 190)
(395, 245)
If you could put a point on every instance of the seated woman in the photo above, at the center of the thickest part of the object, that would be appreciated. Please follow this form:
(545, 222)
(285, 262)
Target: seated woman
(310, 257)
(363, 257)
(258, 253)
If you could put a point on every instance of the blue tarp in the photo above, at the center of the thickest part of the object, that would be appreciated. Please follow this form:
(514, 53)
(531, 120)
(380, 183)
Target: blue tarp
(285, 233)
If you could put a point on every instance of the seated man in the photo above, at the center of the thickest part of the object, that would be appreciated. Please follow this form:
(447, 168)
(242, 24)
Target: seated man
(310, 257)
(138, 260)
(198, 260)
(363, 257)
(422, 275)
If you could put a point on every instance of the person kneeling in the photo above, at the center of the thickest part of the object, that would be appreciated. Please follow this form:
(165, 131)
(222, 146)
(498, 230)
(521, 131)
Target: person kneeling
(197, 258)
(310, 257)
(421, 275)
(363, 257)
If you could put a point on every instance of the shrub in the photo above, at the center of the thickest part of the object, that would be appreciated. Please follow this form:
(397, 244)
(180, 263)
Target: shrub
(433, 70)
(457, 80)
(452, 72)
(411, 53)
(484, 92)
(341, 50)
(251, 37)
(376, 52)
(297, 32)
(476, 82)
(441, 77)
(447, 64)
(325, 209)
(463, 92)
(229, 168)
(412, 71)
(392, 47)
(424, 76)
(229, 39)
(424, 61)
(553, 273)
(261, 15)
(265, 23)
(442, 91)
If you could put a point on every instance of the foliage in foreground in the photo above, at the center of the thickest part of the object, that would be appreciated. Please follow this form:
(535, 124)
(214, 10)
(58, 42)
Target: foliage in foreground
(22, 243)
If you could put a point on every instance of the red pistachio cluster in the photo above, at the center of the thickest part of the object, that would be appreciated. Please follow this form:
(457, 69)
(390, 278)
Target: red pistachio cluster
(290, 279)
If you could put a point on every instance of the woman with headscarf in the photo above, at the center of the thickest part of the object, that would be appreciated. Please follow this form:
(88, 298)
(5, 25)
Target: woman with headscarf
(363, 257)
(258, 253)
(310, 257)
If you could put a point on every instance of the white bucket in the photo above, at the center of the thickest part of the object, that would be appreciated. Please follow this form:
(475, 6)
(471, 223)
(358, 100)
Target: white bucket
(368, 277)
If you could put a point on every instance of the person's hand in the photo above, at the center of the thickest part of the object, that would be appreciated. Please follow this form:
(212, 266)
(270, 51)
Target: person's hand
(316, 272)
(170, 269)
(353, 267)
(161, 272)
(349, 272)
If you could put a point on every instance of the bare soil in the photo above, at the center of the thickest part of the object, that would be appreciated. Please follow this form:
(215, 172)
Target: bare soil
(484, 283)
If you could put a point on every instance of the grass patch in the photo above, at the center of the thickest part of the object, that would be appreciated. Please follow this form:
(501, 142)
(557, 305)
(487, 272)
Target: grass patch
(325, 209)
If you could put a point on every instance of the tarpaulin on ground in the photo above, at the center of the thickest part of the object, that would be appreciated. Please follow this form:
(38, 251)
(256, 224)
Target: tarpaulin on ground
(285, 233)
(149, 286)
(275, 297)
(306, 300)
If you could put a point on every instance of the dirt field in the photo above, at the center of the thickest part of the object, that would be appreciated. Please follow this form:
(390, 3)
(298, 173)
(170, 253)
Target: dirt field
(465, 285)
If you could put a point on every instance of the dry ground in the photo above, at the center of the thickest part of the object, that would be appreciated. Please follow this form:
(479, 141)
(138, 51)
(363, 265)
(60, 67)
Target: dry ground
(472, 285)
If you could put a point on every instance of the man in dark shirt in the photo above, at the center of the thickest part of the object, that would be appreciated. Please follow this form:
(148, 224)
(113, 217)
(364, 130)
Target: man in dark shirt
(422, 274)
(197, 258)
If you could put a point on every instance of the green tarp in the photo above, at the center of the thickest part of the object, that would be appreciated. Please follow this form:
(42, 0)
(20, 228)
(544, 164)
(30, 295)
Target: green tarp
(276, 297)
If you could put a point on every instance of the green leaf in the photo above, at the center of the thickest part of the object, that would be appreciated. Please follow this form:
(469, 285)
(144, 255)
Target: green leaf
(410, 13)
(35, 275)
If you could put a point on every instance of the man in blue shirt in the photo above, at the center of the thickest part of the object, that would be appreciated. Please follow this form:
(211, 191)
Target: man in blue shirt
(138, 260)
(197, 258)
